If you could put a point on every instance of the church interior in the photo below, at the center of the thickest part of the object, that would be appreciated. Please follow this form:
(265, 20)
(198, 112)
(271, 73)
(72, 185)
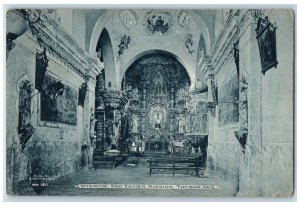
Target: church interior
(153, 96)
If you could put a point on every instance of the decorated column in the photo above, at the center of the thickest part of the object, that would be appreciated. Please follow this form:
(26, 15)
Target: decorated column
(99, 113)
(84, 103)
(115, 102)
(211, 107)
(89, 115)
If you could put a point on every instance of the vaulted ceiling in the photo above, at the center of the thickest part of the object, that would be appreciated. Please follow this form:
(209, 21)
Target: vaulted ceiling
(180, 36)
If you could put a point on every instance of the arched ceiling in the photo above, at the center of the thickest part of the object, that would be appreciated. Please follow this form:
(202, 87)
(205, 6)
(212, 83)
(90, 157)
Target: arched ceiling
(178, 34)
(156, 51)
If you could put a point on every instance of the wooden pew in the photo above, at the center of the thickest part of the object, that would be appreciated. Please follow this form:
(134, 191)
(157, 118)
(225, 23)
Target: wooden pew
(175, 164)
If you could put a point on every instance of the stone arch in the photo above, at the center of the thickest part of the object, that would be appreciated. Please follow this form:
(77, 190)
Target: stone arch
(97, 30)
(151, 51)
(202, 46)
(121, 67)
(157, 103)
(104, 43)
(98, 27)
(203, 28)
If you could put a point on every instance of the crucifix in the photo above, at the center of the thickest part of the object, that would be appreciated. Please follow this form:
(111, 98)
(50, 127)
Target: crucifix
(156, 146)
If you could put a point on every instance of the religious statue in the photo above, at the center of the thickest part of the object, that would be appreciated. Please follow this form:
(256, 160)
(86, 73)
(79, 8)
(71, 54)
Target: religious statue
(134, 126)
(25, 129)
(181, 126)
(243, 107)
(100, 102)
(158, 84)
(114, 142)
(25, 111)
(109, 133)
(193, 124)
(135, 94)
(181, 94)
(144, 103)
(193, 109)
(157, 122)
(158, 88)
(99, 55)
(92, 127)
(101, 80)
(172, 103)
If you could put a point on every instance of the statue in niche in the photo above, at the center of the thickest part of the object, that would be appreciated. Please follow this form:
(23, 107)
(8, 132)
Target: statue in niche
(99, 55)
(172, 103)
(25, 129)
(100, 102)
(243, 114)
(197, 123)
(114, 141)
(144, 104)
(135, 94)
(109, 133)
(181, 94)
(181, 126)
(24, 107)
(158, 88)
(101, 80)
(134, 125)
(157, 122)
(158, 84)
(194, 124)
(193, 109)
(92, 127)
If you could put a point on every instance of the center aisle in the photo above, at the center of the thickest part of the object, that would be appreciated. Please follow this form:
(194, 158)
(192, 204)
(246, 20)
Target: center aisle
(139, 174)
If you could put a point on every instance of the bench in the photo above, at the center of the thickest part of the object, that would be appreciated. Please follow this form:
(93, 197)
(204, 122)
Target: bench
(108, 162)
(176, 164)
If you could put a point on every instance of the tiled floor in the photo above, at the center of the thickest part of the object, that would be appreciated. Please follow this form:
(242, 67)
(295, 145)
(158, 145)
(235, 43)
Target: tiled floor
(135, 175)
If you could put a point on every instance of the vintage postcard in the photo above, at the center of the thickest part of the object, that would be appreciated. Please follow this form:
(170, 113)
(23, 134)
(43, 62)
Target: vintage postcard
(150, 102)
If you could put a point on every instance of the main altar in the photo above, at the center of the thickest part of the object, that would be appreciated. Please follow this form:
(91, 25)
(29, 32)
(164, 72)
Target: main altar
(161, 109)
(156, 147)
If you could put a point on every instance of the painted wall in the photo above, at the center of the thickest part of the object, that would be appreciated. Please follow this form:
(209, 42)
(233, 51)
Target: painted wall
(227, 149)
(60, 109)
(54, 148)
(277, 111)
(266, 169)
(266, 166)
(65, 18)
(134, 23)
(73, 21)
(79, 28)
(228, 96)
(197, 115)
